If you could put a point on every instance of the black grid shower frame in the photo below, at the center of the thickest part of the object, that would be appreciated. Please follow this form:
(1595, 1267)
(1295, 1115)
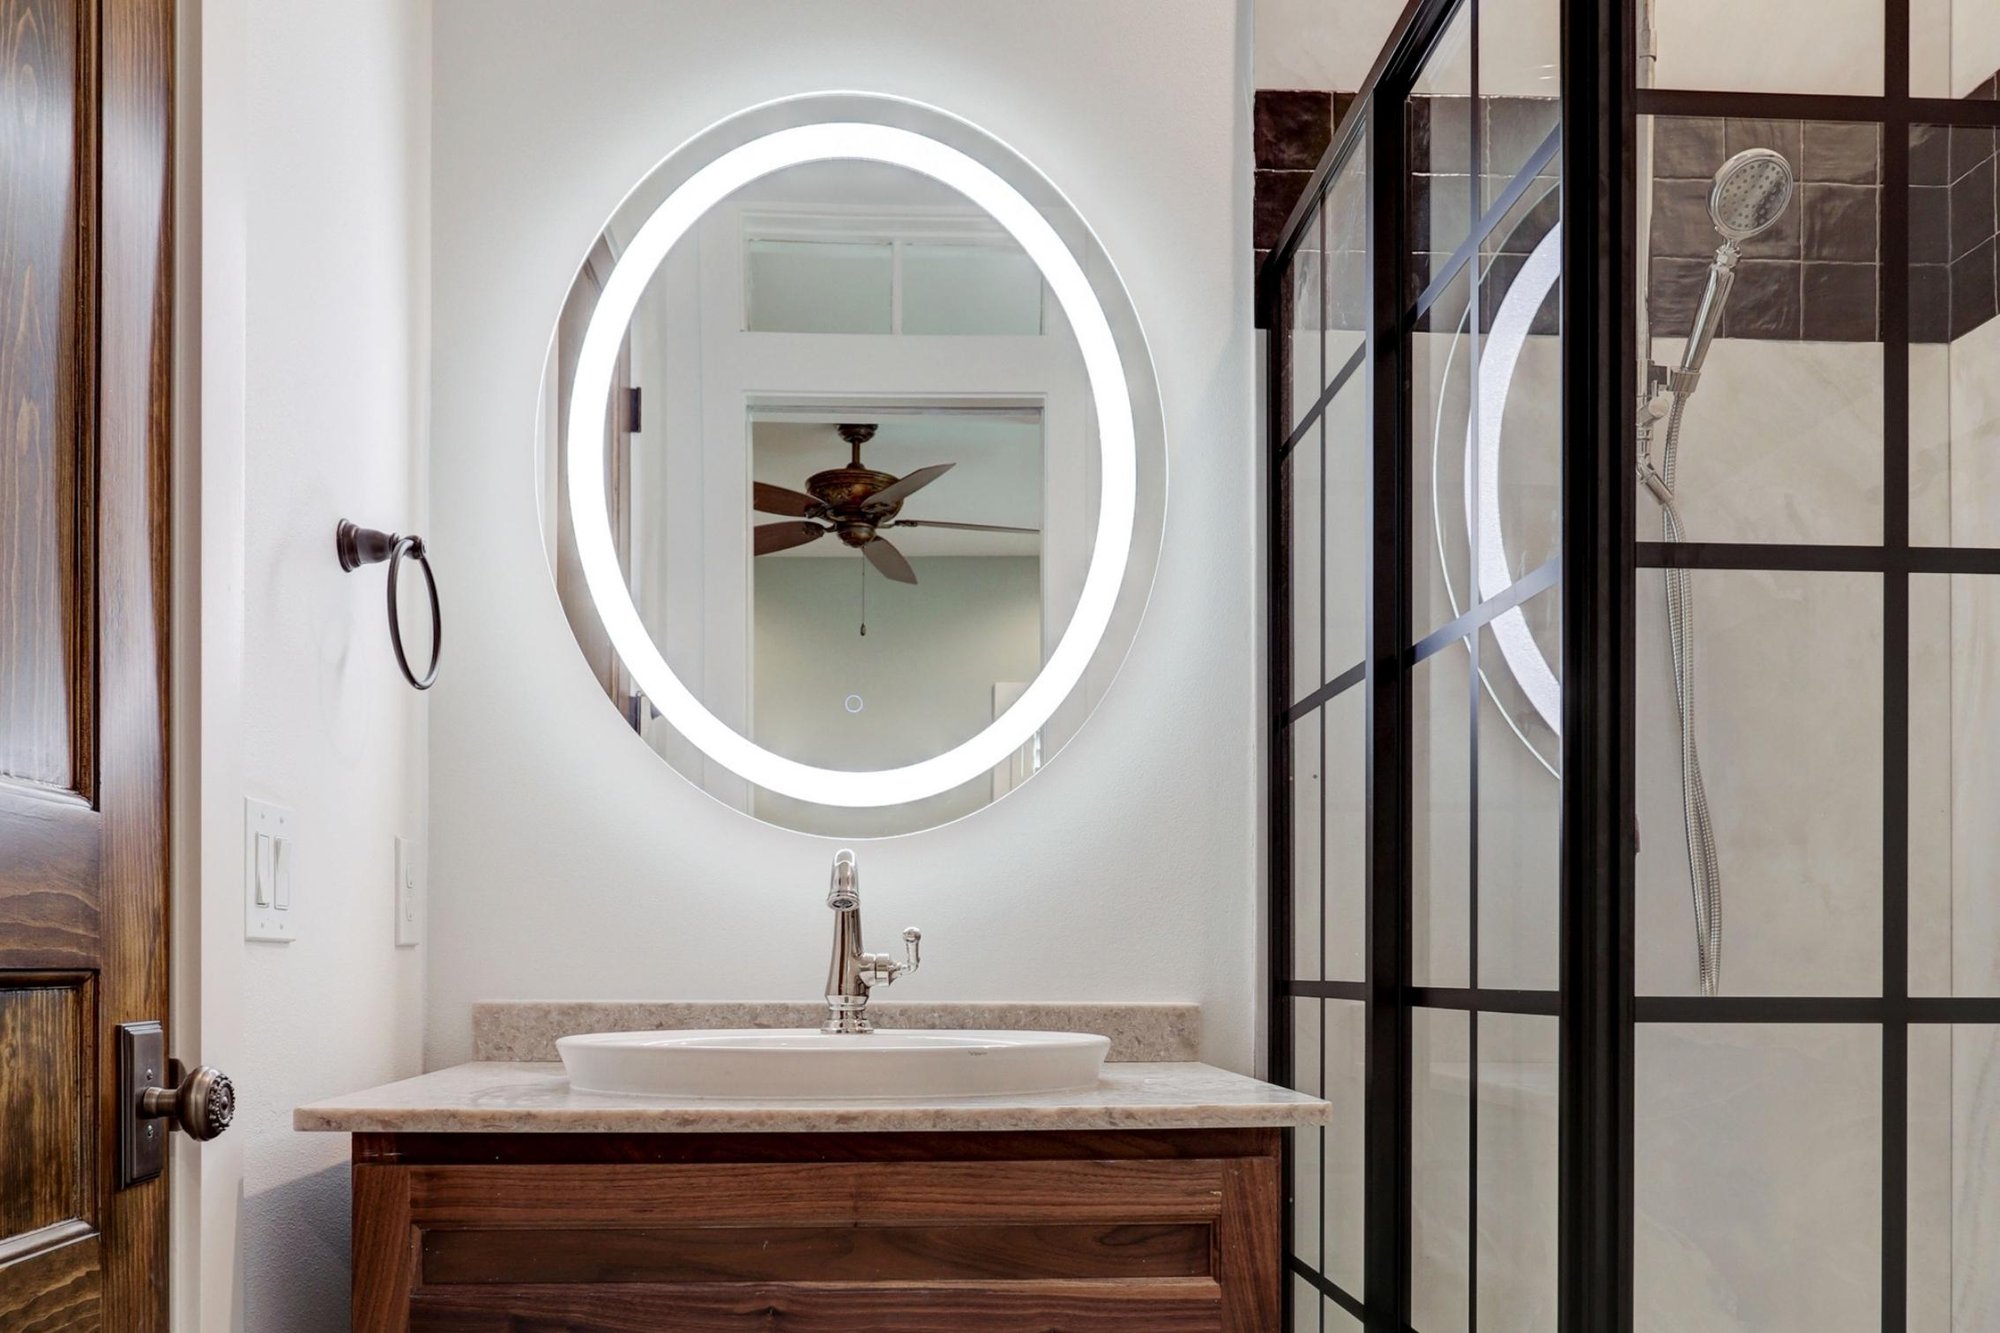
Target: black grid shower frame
(1276, 294)
(1895, 1010)
(1394, 651)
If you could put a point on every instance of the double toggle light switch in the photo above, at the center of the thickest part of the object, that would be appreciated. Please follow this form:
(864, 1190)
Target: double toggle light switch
(269, 848)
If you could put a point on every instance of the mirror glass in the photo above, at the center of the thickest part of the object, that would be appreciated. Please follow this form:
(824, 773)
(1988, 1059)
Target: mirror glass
(852, 469)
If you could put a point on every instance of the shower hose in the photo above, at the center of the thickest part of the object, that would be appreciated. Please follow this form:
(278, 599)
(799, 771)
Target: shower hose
(1704, 870)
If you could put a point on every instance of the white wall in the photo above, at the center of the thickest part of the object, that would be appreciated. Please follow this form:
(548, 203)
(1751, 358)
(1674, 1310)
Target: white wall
(1312, 44)
(311, 292)
(925, 673)
(567, 859)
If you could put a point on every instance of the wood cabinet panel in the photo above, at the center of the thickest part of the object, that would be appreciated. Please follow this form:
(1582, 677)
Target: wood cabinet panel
(1013, 1251)
(1075, 1231)
(824, 1194)
(1168, 1306)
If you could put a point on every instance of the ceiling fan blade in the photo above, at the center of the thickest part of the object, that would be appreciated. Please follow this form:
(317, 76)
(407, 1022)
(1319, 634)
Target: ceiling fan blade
(959, 527)
(908, 486)
(769, 537)
(768, 499)
(889, 561)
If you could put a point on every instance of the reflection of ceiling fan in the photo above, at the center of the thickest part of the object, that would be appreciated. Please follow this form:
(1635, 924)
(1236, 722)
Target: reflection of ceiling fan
(856, 503)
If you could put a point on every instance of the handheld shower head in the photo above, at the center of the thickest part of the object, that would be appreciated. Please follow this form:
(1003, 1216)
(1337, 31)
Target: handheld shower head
(1750, 193)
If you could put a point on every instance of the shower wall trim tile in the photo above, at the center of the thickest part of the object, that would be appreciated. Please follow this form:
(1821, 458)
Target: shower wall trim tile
(1292, 129)
(1814, 277)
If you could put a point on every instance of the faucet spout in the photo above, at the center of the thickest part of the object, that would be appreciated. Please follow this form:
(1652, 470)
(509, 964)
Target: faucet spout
(843, 889)
(852, 971)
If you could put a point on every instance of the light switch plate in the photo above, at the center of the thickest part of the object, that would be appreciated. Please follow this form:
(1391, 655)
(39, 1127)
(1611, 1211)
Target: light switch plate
(409, 892)
(276, 916)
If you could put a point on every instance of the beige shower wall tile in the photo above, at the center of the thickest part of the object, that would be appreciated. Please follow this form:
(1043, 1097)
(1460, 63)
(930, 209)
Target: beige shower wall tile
(1788, 674)
(1781, 442)
(1758, 1159)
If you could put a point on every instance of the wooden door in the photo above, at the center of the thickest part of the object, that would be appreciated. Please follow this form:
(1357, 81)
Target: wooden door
(86, 303)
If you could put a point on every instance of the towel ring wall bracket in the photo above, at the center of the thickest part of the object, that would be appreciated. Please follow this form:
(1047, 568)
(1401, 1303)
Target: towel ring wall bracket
(357, 546)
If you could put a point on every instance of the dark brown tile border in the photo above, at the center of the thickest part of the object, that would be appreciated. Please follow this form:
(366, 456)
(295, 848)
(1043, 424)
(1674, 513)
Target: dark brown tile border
(1816, 275)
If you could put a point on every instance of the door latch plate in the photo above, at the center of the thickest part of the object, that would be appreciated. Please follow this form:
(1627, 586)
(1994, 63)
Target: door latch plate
(142, 1140)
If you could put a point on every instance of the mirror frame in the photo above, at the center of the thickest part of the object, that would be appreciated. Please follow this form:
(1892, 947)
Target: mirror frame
(704, 171)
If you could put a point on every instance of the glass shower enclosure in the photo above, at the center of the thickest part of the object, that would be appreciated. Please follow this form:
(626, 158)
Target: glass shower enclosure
(1634, 553)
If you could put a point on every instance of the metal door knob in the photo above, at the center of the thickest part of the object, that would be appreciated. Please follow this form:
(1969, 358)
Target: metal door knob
(202, 1105)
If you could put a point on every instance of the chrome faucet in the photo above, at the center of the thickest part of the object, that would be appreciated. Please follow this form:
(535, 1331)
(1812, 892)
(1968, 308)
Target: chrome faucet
(852, 971)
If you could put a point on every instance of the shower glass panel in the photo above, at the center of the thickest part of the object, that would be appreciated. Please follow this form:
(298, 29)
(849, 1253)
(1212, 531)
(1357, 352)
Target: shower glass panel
(1307, 299)
(1811, 920)
(1443, 355)
(1303, 479)
(1308, 1147)
(1954, 48)
(1343, 824)
(1441, 1128)
(1651, 787)
(1321, 466)
(1954, 1177)
(1441, 832)
(1484, 347)
(1440, 134)
(1955, 788)
(1774, 46)
(1343, 1197)
(1758, 1177)
(1515, 1251)
(1307, 739)
(1780, 438)
(1788, 675)
(1520, 800)
(1954, 336)
(1417, 431)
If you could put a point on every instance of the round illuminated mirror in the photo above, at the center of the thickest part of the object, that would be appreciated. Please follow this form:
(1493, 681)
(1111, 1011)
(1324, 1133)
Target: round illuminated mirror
(851, 465)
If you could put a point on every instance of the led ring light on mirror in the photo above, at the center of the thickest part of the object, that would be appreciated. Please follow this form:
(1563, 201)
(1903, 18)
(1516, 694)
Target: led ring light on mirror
(1109, 396)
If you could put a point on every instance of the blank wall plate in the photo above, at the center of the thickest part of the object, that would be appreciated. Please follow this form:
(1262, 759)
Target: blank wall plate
(409, 892)
(270, 854)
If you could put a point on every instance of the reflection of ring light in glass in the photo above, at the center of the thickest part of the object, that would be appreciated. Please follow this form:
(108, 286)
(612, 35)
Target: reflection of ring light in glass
(590, 403)
(1500, 354)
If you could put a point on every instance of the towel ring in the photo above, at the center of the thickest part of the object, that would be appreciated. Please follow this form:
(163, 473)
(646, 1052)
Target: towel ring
(358, 546)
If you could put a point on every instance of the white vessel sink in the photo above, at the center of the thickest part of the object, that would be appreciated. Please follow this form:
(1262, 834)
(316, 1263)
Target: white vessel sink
(801, 1064)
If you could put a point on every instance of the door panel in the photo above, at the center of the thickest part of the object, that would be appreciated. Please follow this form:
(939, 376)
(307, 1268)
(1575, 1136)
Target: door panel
(44, 652)
(45, 1061)
(85, 361)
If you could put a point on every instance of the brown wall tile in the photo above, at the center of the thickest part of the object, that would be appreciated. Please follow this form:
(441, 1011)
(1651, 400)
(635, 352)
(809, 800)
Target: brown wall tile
(1291, 128)
(1837, 302)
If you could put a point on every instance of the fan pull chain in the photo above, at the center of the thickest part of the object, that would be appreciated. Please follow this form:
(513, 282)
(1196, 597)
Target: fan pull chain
(864, 598)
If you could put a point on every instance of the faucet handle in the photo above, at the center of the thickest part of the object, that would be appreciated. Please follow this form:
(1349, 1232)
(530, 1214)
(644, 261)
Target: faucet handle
(879, 969)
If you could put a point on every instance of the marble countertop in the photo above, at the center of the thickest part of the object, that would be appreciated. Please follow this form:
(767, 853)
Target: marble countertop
(527, 1029)
(504, 1096)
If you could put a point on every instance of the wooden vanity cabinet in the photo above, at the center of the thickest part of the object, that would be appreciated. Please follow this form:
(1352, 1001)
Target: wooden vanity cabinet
(1161, 1231)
